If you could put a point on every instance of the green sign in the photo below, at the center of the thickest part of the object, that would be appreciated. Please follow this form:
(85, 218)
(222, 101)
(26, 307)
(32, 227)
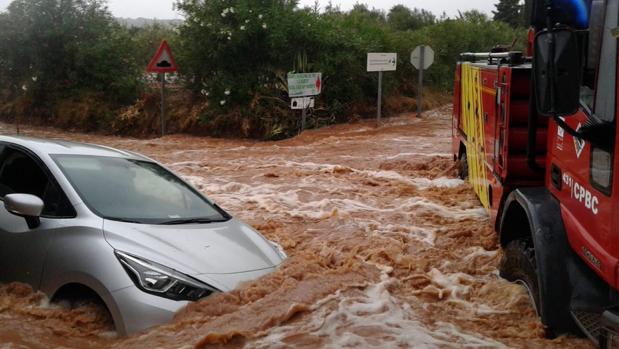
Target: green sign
(304, 85)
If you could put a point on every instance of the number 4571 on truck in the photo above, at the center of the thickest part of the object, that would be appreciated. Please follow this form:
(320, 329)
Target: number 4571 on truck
(536, 134)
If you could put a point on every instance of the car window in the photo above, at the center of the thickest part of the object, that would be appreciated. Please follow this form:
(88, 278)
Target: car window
(19, 173)
(136, 191)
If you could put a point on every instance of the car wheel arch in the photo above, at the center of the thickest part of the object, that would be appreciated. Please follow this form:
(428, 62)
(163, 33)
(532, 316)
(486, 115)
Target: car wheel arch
(97, 288)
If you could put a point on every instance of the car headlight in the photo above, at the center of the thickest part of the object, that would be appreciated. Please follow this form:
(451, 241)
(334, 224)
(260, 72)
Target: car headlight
(279, 249)
(162, 281)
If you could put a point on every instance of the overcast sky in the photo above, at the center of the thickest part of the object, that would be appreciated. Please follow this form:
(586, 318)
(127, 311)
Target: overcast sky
(162, 9)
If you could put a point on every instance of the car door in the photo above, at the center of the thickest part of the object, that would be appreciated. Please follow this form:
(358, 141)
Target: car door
(23, 250)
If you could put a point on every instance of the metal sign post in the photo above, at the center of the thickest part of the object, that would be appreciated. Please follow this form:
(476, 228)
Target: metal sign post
(420, 88)
(162, 63)
(162, 104)
(422, 58)
(380, 97)
(381, 62)
(303, 118)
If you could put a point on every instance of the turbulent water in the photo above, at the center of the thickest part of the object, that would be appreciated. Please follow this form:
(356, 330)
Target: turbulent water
(387, 249)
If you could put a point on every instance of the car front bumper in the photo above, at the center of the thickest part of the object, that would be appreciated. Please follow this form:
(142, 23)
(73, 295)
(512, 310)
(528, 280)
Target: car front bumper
(138, 310)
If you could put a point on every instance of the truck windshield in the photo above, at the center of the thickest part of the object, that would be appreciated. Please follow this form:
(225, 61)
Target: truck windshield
(136, 191)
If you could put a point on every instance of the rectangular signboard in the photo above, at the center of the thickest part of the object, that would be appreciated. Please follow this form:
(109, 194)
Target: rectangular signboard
(304, 85)
(382, 62)
(302, 103)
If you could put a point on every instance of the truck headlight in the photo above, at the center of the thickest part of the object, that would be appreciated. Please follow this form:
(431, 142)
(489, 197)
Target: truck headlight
(162, 281)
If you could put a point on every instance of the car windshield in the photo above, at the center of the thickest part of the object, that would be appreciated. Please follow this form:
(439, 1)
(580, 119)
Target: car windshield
(136, 191)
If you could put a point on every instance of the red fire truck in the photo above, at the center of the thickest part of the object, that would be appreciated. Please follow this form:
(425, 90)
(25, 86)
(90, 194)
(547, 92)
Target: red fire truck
(535, 134)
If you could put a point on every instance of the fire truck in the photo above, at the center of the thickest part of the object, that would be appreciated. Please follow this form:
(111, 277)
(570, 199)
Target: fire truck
(535, 134)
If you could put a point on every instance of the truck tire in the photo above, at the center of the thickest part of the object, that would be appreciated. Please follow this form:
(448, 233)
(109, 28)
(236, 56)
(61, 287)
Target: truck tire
(518, 265)
(539, 256)
(463, 166)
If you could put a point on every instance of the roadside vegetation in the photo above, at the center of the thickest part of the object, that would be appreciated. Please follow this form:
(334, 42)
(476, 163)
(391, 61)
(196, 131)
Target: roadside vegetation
(71, 64)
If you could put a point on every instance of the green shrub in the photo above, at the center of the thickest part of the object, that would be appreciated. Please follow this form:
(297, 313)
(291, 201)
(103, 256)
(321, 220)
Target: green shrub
(233, 54)
(237, 53)
(57, 49)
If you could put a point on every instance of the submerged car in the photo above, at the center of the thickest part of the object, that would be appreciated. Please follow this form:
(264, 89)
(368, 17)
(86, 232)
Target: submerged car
(82, 219)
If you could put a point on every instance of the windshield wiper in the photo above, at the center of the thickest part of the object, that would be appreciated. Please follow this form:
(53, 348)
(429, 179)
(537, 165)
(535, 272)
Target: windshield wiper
(192, 221)
(126, 220)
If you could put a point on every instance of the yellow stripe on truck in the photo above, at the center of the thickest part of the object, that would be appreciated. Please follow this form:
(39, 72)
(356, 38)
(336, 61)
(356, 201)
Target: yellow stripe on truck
(473, 127)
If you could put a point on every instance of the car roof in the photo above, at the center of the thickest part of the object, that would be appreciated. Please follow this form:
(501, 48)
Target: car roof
(60, 147)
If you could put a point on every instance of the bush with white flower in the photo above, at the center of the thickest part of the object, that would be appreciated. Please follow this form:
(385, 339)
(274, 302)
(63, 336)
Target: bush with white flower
(244, 39)
(243, 56)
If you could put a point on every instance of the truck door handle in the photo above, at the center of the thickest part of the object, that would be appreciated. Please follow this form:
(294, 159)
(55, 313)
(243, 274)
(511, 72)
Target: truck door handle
(555, 176)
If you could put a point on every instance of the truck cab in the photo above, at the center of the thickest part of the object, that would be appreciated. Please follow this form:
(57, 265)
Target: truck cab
(535, 133)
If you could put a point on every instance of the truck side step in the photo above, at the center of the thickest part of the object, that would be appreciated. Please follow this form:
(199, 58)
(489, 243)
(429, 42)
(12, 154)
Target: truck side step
(589, 323)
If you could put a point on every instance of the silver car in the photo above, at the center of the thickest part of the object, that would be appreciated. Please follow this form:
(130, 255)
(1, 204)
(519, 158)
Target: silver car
(81, 220)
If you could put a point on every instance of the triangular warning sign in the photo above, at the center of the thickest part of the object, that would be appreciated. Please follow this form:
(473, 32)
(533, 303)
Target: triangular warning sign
(163, 61)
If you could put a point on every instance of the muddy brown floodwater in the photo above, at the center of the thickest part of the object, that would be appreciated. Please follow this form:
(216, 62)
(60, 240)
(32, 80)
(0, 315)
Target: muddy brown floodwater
(387, 249)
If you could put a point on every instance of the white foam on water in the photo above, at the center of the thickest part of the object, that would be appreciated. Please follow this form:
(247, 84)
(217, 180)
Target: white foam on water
(458, 284)
(278, 199)
(377, 174)
(413, 154)
(442, 182)
(393, 324)
(456, 287)
(422, 234)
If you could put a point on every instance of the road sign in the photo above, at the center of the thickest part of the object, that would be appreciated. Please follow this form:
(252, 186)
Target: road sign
(163, 61)
(425, 52)
(302, 103)
(304, 85)
(379, 62)
(422, 58)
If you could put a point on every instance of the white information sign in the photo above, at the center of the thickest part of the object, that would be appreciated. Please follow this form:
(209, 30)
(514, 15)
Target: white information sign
(379, 62)
(304, 85)
(302, 103)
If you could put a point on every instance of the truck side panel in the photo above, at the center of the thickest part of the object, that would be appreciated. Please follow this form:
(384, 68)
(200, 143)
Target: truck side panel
(473, 126)
(491, 113)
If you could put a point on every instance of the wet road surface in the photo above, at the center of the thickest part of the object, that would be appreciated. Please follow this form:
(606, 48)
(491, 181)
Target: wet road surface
(387, 249)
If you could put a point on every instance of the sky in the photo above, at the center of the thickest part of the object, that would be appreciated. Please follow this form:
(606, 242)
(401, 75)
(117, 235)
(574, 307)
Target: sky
(162, 9)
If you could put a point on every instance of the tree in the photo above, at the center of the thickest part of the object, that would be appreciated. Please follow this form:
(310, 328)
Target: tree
(527, 13)
(362, 11)
(53, 48)
(509, 11)
(402, 18)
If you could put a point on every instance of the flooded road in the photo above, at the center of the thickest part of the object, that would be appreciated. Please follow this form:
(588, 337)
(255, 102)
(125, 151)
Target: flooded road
(387, 249)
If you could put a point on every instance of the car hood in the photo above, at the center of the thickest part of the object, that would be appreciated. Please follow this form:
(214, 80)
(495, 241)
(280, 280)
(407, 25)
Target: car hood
(194, 249)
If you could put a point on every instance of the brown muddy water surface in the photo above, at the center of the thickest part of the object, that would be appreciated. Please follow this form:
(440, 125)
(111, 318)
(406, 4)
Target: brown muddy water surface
(387, 249)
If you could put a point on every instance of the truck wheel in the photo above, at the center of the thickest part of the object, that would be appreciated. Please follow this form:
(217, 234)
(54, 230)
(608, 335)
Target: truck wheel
(463, 166)
(518, 265)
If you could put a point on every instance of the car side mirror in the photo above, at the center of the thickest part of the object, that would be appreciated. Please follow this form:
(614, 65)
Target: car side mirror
(557, 72)
(27, 206)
